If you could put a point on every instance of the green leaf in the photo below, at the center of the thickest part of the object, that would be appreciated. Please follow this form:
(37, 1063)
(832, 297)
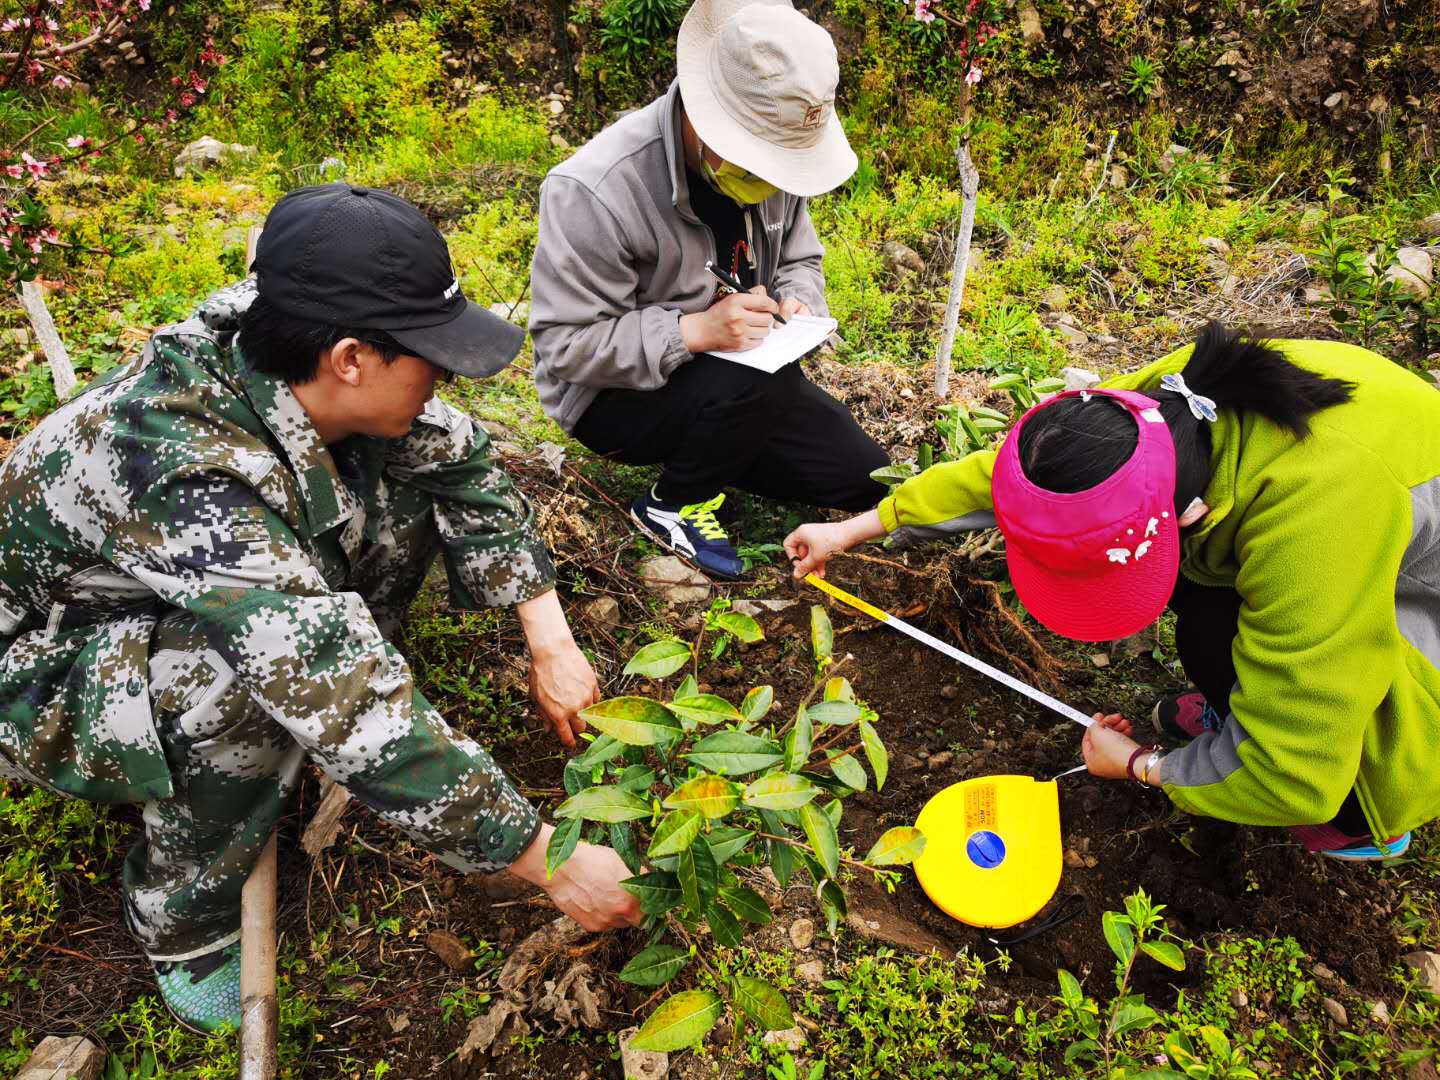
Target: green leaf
(1049, 386)
(680, 1021)
(677, 831)
(706, 709)
(896, 847)
(981, 412)
(622, 839)
(833, 809)
(688, 687)
(1081, 1048)
(604, 803)
(1216, 1041)
(782, 856)
(1070, 992)
(1164, 952)
(797, 743)
(635, 721)
(742, 626)
(656, 966)
(849, 772)
(893, 474)
(1118, 936)
(575, 777)
(636, 778)
(822, 634)
(762, 1003)
(1005, 382)
(1132, 1016)
(657, 891)
(728, 841)
(757, 704)
(834, 712)
(748, 904)
(876, 752)
(698, 874)
(724, 927)
(832, 904)
(779, 791)
(713, 796)
(820, 831)
(734, 753)
(839, 689)
(600, 751)
(562, 844)
(659, 659)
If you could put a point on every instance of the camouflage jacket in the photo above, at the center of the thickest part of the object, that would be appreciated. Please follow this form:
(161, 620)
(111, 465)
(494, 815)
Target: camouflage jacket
(184, 480)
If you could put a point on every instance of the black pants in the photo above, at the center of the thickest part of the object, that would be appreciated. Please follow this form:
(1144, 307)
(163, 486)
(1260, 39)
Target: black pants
(1207, 619)
(717, 424)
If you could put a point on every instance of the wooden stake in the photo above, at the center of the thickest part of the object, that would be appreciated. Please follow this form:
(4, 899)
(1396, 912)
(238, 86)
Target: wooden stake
(61, 370)
(970, 189)
(259, 1008)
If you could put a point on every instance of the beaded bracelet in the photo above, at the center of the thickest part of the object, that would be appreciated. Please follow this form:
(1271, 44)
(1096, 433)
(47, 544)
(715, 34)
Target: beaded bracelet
(1130, 765)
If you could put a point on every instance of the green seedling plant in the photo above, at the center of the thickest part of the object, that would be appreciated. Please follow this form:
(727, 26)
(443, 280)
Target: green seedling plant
(1138, 930)
(963, 430)
(1143, 78)
(697, 794)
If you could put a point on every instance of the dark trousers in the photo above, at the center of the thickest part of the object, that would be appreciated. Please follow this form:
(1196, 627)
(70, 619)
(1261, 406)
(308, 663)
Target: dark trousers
(1207, 618)
(717, 424)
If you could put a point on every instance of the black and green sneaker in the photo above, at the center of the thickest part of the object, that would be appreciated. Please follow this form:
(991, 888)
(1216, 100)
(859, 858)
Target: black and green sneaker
(203, 993)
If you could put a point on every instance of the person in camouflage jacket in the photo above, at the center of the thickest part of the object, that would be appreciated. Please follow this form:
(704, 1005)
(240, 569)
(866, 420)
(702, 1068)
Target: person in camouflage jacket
(200, 562)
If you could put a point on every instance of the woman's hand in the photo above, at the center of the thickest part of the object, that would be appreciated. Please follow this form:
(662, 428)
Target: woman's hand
(811, 546)
(1107, 747)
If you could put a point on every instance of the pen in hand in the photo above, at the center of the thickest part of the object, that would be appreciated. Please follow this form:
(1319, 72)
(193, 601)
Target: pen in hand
(730, 283)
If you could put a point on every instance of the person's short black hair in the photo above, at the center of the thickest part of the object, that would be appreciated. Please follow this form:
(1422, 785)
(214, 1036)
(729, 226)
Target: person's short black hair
(288, 348)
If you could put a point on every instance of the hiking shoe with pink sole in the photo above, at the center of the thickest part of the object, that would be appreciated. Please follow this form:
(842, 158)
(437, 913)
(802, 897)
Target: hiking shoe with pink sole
(1184, 715)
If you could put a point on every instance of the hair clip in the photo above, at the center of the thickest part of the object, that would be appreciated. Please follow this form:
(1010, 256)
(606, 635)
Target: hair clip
(1201, 406)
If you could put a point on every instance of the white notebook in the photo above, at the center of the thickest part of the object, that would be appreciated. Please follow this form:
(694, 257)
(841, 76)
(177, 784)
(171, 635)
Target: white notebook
(784, 344)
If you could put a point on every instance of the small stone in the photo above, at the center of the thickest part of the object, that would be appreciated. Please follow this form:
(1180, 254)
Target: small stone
(988, 744)
(1429, 226)
(1318, 294)
(949, 691)
(1335, 1011)
(1229, 58)
(1030, 28)
(1056, 298)
(1100, 659)
(641, 1064)
(902, 257)
(1215, 244)
(604, 611)
(1238, 998)
(1322, 971)
(672, 580)
(207, 152)
(73, 1058)
(556, 106)
(398, 1021)
(1079, 378)
(812, 972)
(940, 761)
(1428, 965)
(1380, 1012)
(559, 141)
(1119, 177)
(1073, 859)
(802, 933)
(453, 952)
(907, 393)
(1413, 272)
(1071, 335)
(791, 1039)
(1335, 99)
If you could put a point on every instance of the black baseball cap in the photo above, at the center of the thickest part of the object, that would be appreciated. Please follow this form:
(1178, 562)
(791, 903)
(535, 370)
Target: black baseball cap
(358, 257)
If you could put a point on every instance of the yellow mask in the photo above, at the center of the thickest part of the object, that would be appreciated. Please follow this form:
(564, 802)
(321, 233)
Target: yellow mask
(745, 188)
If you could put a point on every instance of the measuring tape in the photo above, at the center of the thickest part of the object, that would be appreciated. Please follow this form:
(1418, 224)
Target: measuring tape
(950, 651)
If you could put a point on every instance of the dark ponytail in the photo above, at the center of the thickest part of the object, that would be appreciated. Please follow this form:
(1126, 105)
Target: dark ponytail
(1077, 444)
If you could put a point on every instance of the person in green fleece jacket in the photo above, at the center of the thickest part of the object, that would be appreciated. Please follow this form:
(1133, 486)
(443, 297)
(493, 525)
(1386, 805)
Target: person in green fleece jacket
(1283, 499)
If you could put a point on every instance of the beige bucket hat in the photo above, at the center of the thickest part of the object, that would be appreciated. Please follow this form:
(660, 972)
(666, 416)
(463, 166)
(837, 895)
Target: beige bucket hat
(758, 80)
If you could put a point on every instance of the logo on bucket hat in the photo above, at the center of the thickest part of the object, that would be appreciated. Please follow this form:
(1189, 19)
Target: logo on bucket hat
(357, 257)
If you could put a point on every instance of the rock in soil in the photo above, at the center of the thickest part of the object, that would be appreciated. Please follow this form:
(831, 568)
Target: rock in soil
(1100, 659)
(1380, 1012)
(603, 612)
(674, 581)
(902, 257)
(1079, 378)
(791, 1038)
(812, 972)
(1071, 335)
(1322, 971)
(1335, 1011)
(1429, 226)
(61, 1059)
(641, 1064)
(453, 952)
(1428, 965)
(802, 933)
(949, 691)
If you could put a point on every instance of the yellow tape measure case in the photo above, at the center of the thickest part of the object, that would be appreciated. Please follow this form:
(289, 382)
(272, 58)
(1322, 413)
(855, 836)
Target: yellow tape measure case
(992, 849)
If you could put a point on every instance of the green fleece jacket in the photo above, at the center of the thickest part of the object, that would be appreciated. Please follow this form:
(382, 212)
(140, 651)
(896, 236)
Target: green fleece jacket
(1333, 542)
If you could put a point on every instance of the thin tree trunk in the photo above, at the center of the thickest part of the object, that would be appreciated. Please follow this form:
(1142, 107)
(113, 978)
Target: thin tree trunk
(970, 189)
(259, 1009)
(61, 370)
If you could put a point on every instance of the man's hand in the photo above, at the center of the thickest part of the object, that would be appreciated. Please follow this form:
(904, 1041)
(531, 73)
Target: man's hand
(790, 306)
(586, 887)
(811, 546)
(1107, 747)
(561, 679)
(739, 322)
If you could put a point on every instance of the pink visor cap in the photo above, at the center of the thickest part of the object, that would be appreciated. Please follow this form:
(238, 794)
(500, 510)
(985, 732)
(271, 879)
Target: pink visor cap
(1098, 564)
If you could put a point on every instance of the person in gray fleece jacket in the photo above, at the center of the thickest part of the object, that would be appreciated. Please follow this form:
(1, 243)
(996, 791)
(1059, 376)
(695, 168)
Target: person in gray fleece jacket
(625, 312)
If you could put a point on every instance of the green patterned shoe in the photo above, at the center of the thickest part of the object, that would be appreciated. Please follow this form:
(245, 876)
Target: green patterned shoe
(203, 993)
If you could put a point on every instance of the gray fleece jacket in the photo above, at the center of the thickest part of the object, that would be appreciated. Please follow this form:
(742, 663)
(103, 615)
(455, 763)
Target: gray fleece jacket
(621, 256)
